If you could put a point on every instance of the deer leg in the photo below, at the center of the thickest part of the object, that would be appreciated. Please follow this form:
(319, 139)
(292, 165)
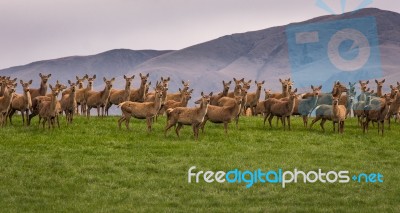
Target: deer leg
(322, 124)
(270, 120)
(120, 121)
(177, 129)
(226, 127)
(149, 120)
(203, 124)
(288, 120)
(314, 120)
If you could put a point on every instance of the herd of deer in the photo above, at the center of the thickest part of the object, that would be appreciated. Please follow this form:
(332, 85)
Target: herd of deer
(222, 107)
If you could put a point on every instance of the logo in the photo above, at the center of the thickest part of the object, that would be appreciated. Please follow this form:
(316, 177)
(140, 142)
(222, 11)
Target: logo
(279, 176)
(344, 50)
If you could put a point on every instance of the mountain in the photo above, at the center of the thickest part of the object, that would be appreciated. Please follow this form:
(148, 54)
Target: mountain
(108, 64)
(257, 55)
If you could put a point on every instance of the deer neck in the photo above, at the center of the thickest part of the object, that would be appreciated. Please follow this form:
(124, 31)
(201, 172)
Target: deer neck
(2, 90)
(291, 104)
(28, 99)
(379, 91)
(53, 103)
(43, 88)
(157, 103)
(203, 108)
(258, 93)
(285, 92)
(225, 92)
(105, 93)
(142, 90)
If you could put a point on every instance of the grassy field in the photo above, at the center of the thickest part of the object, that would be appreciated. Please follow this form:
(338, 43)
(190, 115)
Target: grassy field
(92, 166)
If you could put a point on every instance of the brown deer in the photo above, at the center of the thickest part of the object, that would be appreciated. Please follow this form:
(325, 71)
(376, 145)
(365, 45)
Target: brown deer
(146, 110)
(68, 103)
(253, 98)
(215, 98)
(378, 112)
(338, 114)
(119, 96)
(285, 90)
(48, 109)
(5, 102)
(4, 81)
(22, 103)
(222, 114)
(363, 87)
(379, 86)
(173, 104)
(81, 94)
(279, 108)
(99, 99)
(260, 105)
(237, 89)
(79, 84)
(150, 97)
(178, 96)
(188, 116)
(138, 95)
(43, 86)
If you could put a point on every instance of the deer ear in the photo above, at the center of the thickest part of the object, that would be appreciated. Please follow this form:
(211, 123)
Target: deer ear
(312, 87)
(30, 82)
(20, 81)
(255, 82)
(49, 75)
(40, 74)
(147, 75)
(320, 87)
(168, 79)
(234, 79)
(211, 93)
(229, 82)
(86, 76)
(242, 80)
(262, 82)
(223, 82)
(104, 79)
(133, 76)
(295, 90)
(94, 76)
(183, 82)
(197, 102)
(69, 81)
(125, 77)
(367, 82)
(391, 86)
(77, 78)
(51, 87)
(113, 79)
(180, 90)
(140, 74)
(202, 94)
(383, 81)
(376, 81)
(280, 80)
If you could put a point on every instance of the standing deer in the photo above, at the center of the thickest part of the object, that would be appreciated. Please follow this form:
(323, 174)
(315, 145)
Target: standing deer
(237, 89)
(253, 98)
(215, 98)
(81, 94)
(99, 99)
(178, 96)
(43, 86)
(119, 96)
(188, 116)
(22, 103)
(279, 108)
(68, 103)
(138, 95)
(146, 110)
(5, 102)
(48, 109)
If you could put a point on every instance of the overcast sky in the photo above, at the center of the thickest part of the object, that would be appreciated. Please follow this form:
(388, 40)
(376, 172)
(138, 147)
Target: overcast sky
(34, 30)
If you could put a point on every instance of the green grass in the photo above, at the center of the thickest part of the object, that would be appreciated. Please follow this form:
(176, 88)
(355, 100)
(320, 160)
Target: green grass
(92, 166)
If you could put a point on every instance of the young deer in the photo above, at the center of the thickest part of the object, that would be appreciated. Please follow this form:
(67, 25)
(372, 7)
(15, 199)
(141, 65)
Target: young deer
(48, 109)
(81, 94)
(146, 110)
(279, 108)
(188, 116)
(178, 96)
(68, 103)
(43, 87)
(222, 114)
(253, 98)
(215, 98)
(22, 103)
(119, 96)
(99, 99)
(138, 95)
(5, 102)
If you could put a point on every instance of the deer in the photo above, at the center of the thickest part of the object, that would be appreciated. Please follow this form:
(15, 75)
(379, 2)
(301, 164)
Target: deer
(285, 89)
(193, 116)
(339, 114)
(99, 99)
(22, 103)
(146, 110)
(82, 93)
(253, 98)
(378, 112)
(379, 86)
(48, 109)
(306, 105)
(68, 102)
(4, 81)
(150, 97)
(283, 109)
(358, 108)
(363, 87)
(227, 101)
(43, 87)
(215, 98)
(237, 89)
(5, 102)
(119, 96)
(79, 84)
(222, 114)
(171, 104)
(138, 95)
(178, 96)
(260, 105)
